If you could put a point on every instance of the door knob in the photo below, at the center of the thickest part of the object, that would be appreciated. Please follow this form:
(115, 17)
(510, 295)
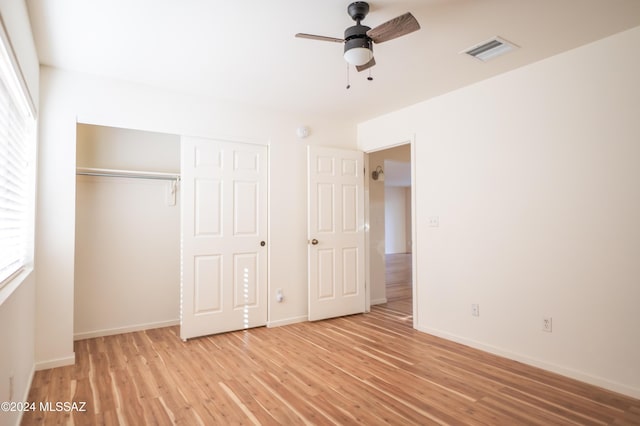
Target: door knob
(314, 242)
(262, 243)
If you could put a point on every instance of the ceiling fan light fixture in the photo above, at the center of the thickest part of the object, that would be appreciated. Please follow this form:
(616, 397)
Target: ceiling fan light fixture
(358, 56)
(358, 51)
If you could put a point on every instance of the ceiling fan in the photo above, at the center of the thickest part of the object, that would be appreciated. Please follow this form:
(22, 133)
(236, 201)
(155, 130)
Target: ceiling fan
(358, 40)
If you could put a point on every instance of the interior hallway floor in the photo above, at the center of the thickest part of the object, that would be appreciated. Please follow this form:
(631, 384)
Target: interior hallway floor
(398, 283)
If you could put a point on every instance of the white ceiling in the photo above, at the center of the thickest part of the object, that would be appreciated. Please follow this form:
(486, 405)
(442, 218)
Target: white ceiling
(245, 51)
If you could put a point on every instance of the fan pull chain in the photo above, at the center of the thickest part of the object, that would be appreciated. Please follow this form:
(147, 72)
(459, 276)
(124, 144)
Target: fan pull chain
(348, 83)
(370, 78)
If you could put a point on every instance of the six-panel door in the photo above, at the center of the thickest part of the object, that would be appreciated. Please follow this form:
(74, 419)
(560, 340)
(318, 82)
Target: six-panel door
(224, 232)
(335, 232)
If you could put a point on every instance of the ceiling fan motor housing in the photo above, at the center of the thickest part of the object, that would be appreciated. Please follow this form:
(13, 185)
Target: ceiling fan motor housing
(356, 36)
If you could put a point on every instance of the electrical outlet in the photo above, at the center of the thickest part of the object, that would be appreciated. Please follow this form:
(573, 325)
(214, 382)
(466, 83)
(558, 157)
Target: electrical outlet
(547, 324)
(475, 310)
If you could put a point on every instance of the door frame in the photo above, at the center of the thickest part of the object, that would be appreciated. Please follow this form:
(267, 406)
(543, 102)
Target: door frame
(414, 226)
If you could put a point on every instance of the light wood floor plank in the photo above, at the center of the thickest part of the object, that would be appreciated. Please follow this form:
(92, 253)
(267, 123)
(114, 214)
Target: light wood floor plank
(365, 369)
(319, 373)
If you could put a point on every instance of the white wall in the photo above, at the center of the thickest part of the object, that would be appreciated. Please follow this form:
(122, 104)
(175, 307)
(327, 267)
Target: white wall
(127, 250)
(534, 176)
(17, 302)
(395, 219)
(68, 98)
(115, 148)
(17, 319)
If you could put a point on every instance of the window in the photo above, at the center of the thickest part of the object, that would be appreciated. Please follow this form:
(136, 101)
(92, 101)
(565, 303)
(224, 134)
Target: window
(17, 124)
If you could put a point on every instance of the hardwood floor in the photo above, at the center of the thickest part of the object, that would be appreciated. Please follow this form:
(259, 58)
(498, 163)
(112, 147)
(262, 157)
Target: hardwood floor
(368, 369)
(398, 282)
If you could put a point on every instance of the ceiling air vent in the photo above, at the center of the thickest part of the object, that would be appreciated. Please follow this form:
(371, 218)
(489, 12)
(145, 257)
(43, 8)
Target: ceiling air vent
(490, 49)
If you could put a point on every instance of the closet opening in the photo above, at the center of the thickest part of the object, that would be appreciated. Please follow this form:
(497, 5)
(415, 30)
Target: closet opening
(127, 254)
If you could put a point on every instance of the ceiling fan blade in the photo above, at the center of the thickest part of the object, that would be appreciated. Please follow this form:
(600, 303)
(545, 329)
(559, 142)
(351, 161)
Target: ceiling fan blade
(394, 28)
(366, 66)
(318, 37)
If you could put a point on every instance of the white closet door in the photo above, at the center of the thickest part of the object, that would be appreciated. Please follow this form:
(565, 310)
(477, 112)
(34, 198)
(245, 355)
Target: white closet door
(224, 234)
(336, 232)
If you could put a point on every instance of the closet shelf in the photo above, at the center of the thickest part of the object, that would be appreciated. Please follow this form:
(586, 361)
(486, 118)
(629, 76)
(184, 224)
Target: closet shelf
(134, 174)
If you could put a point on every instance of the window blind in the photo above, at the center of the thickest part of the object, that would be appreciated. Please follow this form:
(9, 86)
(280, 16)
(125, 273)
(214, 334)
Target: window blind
(16, 124)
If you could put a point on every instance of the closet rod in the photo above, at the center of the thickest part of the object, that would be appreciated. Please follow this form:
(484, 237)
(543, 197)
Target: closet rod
(127, 174)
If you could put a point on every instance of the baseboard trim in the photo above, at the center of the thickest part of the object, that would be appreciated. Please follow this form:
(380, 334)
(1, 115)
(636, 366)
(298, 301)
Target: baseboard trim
(287, 321)
(122, 330)
(58, 362)
(379, 301)
(558, 369)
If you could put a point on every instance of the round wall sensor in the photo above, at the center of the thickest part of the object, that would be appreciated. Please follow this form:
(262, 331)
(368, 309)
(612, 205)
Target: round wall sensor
(302, 132)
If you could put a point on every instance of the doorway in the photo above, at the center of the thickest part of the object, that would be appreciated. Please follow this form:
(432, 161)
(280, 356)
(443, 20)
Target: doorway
(390, 232)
